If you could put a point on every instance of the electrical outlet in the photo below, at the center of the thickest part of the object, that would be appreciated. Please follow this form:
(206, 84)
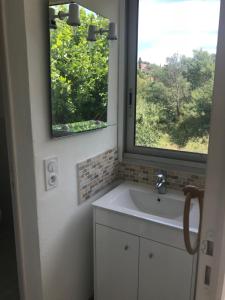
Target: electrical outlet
(51, 173)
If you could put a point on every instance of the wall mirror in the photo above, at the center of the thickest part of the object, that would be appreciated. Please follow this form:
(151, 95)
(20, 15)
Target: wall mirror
(79, 65)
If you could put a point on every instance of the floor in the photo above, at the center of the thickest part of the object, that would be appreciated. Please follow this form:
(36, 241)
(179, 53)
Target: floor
(8, 271)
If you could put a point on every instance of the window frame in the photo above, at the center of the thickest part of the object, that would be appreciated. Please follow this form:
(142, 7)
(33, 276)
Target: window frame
(131, 88)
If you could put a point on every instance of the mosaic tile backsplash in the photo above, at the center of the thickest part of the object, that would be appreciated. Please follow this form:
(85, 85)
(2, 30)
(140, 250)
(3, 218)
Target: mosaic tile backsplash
(147, 174)
(98, 172)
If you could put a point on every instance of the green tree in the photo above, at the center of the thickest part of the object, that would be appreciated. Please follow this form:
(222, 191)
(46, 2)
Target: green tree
(199, 69)
(174, 102)
(196, 122)
(79, 73)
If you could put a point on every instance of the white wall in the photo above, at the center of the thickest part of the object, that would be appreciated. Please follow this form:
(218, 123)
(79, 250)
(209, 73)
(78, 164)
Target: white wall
(65, 229)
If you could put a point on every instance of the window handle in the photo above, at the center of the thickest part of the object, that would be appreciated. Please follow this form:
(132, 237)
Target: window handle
(130, 97)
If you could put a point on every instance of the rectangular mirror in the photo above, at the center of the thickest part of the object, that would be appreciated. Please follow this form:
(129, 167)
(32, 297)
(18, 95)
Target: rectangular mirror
(78, 70)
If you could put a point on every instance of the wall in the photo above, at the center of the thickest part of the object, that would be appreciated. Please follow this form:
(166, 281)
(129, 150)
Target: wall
(65, 228)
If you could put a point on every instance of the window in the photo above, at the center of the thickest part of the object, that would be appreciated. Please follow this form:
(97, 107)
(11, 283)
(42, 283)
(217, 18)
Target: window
(171, 66)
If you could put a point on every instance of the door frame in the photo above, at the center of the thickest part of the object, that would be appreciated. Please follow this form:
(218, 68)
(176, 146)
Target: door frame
(213, 227)
(16, 103)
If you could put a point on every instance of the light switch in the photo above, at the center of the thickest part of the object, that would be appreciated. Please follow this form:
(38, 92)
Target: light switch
(51, 173)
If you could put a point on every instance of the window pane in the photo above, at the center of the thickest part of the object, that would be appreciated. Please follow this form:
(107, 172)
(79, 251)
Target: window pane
(177, 42)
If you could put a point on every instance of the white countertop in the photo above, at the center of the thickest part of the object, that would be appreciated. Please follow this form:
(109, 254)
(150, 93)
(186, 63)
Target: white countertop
(132, 199)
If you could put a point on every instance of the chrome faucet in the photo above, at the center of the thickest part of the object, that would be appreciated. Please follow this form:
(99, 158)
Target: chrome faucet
(161, 182)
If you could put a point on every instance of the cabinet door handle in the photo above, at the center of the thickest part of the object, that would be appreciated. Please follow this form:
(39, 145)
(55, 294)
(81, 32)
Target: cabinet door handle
(126, 247)
(151, 255)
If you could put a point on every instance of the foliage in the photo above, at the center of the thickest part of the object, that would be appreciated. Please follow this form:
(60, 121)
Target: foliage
(174, 103)
(79, 73)
(78, 127)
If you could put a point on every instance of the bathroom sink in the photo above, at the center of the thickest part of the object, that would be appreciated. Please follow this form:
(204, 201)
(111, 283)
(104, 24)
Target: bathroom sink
(151, 203)
(142, 202)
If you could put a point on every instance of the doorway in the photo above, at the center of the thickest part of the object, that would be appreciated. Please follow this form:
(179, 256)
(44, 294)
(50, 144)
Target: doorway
(8, 271)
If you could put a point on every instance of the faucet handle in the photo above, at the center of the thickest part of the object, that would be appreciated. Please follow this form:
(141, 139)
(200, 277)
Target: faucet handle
(161, 174)
(161, 183)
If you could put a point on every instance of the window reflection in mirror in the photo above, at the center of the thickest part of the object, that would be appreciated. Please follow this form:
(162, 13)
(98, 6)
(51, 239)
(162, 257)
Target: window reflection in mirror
(79, 75)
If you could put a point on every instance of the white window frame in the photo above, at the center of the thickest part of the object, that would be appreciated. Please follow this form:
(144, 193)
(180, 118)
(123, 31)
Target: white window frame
(131, 150)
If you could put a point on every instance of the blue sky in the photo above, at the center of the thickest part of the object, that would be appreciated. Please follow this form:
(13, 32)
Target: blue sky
(176, 26)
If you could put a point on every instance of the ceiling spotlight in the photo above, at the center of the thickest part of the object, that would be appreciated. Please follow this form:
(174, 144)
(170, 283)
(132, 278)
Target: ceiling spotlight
(93, 31)
(112, 32)
(52, 17)
(73, 16)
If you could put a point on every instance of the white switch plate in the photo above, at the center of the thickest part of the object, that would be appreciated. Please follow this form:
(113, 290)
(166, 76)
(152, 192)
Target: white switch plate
(51, 169)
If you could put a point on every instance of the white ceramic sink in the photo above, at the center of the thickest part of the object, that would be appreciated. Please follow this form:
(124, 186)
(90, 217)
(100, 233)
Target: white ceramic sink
(141, 202)
(151, 203)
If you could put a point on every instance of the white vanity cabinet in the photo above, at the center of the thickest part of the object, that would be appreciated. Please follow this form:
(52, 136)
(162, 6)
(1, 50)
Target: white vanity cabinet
(139, 250)
(165, 273)
(128, 267)
(116, 264)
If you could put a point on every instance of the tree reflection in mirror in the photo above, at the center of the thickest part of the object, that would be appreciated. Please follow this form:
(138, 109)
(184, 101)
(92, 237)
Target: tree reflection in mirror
(78, 75)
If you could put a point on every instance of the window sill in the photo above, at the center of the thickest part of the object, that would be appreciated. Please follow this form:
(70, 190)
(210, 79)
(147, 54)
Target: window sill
(165, 163)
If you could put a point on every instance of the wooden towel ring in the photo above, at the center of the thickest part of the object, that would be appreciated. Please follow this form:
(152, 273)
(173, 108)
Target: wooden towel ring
(192, 192)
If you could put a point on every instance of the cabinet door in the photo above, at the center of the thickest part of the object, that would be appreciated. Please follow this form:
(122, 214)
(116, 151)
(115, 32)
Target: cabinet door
(165, 272)
(116, 265)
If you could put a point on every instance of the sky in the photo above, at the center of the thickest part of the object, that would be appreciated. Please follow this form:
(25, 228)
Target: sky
(176, 26)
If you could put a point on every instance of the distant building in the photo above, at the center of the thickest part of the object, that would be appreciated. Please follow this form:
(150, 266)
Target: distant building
(143, 65)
